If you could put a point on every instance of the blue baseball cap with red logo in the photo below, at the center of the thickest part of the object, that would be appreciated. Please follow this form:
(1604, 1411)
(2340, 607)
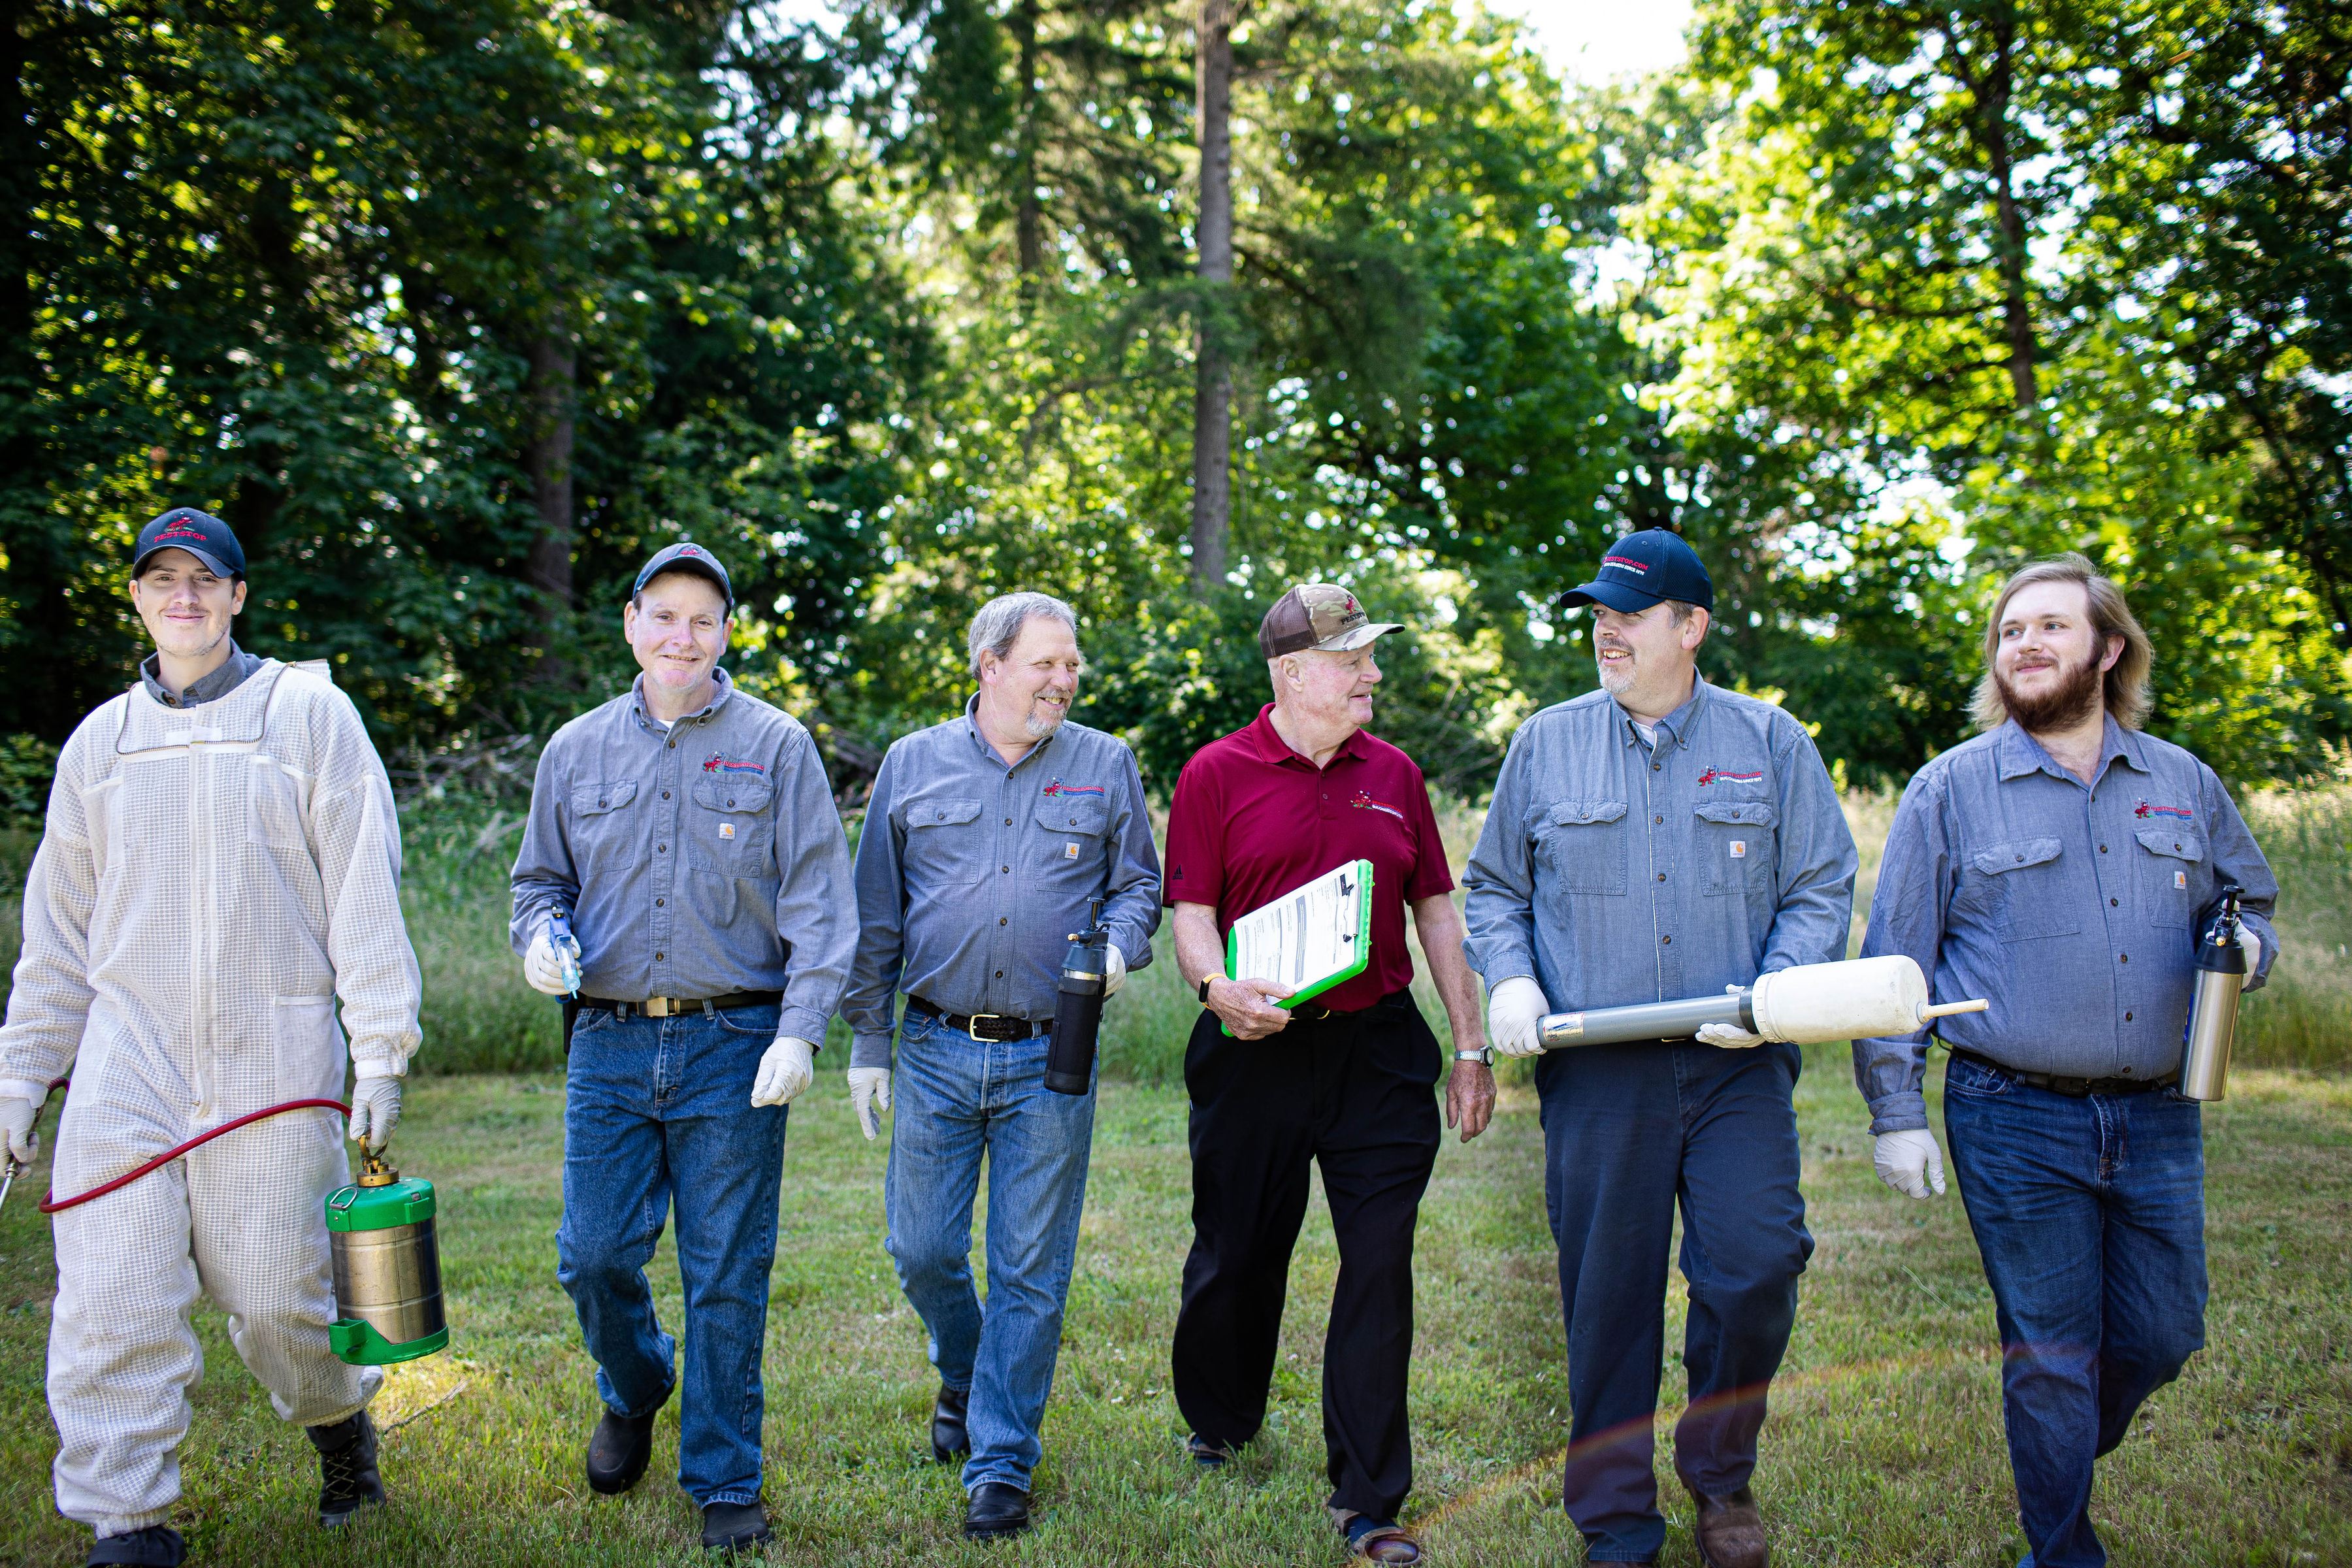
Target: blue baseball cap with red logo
(688, 556)
(200, 533)
(1643, 568)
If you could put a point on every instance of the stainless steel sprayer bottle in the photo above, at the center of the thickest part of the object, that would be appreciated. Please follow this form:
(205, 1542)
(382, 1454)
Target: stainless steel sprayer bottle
(2213, 1010)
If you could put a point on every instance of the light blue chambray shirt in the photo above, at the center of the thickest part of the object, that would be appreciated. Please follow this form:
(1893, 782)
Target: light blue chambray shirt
(699, 859)
(971, 874)
(1614, 873)
(2070, 908)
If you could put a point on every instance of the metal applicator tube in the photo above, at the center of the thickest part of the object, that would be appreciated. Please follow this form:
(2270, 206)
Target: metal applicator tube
(2212, 1024)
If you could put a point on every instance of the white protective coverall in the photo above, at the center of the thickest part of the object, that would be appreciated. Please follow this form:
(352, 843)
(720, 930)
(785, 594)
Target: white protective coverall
(210, 879)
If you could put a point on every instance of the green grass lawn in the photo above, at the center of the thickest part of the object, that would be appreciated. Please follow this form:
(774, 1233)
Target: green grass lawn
(1884, 1444)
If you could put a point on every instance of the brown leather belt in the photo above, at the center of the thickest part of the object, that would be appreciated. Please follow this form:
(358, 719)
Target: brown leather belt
(2072, 1088)
(996, 1029)
(675, 1006)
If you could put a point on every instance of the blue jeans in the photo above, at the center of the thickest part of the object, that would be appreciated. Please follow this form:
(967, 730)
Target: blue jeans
(1629, 1131)
(660, 1109)
(2090, 1215)
(952, 1098)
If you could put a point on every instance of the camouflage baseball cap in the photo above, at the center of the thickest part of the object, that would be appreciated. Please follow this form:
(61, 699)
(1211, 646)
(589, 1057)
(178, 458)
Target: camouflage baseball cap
(1321, 615)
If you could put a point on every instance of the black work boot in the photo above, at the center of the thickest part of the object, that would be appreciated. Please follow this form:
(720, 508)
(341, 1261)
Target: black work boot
(998, 1509)
(348, 1482)
(617, 1451)
(949, 1439)
(157, 1546)
(733, 1526)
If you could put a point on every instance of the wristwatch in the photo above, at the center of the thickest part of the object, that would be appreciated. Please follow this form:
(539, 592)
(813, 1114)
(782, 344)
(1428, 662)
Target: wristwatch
(1207, 981)
(1484, 1055)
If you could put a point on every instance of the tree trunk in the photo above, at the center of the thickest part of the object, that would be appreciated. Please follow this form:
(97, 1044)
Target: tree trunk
(1993, 117)
(547, 456)
(1213, 393)
(1028, 219)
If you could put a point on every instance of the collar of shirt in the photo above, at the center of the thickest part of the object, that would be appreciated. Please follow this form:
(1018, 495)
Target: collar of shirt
(218, 683)
(2020, 753)
(1273, 749)
(971, 728)
(645, 715)
(1675, 726)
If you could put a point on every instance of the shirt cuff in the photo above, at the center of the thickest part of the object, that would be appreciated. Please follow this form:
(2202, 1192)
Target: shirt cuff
(870, 1051)
(802, 1024)
(1898, 1114)
(378, 1058)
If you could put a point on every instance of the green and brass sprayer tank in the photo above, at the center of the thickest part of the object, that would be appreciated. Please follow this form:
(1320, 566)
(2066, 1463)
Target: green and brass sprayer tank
(387, 1269)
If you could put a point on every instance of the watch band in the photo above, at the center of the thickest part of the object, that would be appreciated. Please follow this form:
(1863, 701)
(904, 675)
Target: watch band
(1207, 981)
(1484, 1055)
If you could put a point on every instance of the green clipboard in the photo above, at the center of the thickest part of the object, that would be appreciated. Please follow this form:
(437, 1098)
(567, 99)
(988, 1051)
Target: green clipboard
(1315, 936)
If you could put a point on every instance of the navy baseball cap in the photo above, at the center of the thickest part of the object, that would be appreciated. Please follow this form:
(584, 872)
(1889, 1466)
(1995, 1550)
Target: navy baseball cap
(1641, 570)
(688, 556)
(200, 533)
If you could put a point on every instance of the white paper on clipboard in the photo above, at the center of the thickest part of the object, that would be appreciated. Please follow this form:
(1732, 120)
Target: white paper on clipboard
(1311, 938)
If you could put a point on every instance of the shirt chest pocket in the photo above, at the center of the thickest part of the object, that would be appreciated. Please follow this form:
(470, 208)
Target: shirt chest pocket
(600, 821)
(1734, 844)
(273, 806)
(2171, 875)
(947, 844)
(730, 830)
(1069, 837)
(1580, 845)
(2023, 885)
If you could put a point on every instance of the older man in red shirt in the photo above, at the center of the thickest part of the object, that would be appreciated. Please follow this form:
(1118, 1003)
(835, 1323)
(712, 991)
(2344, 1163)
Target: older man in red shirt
(1344, 1081)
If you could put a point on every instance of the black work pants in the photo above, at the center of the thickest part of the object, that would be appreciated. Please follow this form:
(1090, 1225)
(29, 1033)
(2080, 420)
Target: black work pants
(1351, 1092)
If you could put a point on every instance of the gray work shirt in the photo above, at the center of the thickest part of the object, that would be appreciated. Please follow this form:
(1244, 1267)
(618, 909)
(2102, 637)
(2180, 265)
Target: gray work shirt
(1616, 872)
(971, 874)
(219, 683)
(697, 859)
(2069, 907)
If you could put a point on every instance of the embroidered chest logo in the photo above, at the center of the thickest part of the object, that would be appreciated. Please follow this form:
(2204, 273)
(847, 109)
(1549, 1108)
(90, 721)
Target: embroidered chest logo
(1364, 802)
(2178, 813)
(719, 763)
(1059, 788)
(1728, 776)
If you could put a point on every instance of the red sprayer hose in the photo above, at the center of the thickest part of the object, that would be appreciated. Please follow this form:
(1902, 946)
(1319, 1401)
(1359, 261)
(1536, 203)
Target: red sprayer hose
(51, 1203)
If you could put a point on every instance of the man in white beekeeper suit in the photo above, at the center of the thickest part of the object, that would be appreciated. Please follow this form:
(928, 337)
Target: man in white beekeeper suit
(221, 861)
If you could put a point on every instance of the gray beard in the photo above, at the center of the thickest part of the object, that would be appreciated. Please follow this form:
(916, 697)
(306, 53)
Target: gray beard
(1617, 681)
(1038, 726)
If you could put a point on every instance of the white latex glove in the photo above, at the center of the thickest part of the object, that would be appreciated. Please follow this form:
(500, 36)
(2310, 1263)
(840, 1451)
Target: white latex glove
(375, 1111)
(543, 969)
(1730, 1036)
(16, 1130)
(870, 1090)
(1514, 1008)
(1114, 976)
(784, 1073)
(1909, 1162)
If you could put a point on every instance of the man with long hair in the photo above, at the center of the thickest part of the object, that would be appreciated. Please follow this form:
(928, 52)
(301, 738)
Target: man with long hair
(2056, 865)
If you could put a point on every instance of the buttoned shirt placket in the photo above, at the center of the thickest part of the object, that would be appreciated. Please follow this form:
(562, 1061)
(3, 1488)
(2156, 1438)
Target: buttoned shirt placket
(2108, 870)
(1008, 836)
(669, 790)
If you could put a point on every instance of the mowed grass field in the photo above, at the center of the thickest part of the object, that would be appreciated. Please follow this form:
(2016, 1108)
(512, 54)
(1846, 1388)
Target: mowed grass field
(1883, 1445)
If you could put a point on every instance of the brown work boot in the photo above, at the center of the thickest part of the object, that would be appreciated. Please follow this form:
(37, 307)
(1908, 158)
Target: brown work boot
(1730, 1531)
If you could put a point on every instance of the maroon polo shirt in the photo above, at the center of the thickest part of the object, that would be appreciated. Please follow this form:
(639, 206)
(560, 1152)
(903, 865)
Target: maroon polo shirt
(1253, 819)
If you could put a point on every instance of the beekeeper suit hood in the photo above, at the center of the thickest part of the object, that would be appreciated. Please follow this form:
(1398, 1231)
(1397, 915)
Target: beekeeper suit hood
(212, 878)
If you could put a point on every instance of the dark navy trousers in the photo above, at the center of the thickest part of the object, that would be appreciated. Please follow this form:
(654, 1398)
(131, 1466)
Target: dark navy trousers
(1629, 1131)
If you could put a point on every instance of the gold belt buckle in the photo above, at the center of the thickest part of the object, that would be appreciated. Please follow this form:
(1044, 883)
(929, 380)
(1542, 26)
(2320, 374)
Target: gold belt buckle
(971, 1028)
(658, 1006)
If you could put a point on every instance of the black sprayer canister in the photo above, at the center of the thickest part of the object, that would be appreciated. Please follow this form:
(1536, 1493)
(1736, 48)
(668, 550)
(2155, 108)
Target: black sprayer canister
(2214, 1006)
(1077, 1011)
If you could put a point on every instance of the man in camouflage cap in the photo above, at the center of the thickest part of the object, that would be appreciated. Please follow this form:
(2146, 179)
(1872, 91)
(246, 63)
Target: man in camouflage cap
(1341, 1081)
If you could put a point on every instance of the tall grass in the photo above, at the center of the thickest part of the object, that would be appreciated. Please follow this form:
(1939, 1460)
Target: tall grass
(2303, 1017)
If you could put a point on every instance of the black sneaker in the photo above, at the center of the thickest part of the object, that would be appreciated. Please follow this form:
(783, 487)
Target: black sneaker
(348, 1482)
(617, 1452)
(733, 1526)
(157, 1546)
(949, 1439)
(1207, 1454)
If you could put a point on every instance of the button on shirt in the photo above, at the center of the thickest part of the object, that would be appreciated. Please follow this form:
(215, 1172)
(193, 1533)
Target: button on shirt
(1614, 871)
(1252, 820)
(697, 859)
(2070, 908)
(973, 873)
